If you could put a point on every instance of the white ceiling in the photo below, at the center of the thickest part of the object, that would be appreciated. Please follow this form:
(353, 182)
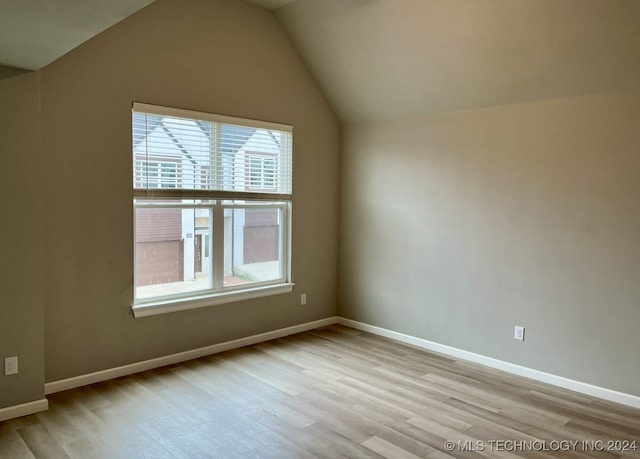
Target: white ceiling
(34, 33)
(379, 59)
(271, 4)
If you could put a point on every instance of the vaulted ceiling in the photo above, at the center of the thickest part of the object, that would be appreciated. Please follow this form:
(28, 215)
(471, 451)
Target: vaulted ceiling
(379, 59)
(388, 58)
(34, 33)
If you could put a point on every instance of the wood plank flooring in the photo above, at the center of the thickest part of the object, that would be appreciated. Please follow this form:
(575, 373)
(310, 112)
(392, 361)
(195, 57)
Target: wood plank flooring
(330, 393)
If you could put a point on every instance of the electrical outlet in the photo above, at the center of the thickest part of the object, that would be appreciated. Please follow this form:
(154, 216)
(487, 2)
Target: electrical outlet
(303, 299)
(519, 333)
(10, 366)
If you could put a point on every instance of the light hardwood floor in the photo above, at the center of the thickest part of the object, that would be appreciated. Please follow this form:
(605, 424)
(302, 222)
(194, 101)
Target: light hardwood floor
(330, 393)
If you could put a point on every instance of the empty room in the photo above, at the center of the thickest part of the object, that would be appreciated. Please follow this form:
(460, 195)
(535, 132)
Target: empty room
(320, 228)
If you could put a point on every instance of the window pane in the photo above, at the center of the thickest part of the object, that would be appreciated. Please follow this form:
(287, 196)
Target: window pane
(262, 172)
(269, 173)
(172, 250)
(200, 154)
(169, 175)
(189, 167)
(255, 172)
(253, 245)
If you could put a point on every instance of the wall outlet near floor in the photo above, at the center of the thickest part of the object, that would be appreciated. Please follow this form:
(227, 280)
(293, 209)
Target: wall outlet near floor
(303, 299)
(519, 333)
(10, 366)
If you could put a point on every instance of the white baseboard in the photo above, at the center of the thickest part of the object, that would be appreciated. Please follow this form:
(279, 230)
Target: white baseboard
(99, 376)
(24, 409)
(560, 381)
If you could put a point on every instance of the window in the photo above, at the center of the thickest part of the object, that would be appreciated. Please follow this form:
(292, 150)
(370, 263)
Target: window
(159, 174)
(262, 172)
(212, 203)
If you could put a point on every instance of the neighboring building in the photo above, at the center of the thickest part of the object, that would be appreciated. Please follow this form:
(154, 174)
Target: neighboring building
(174, 245)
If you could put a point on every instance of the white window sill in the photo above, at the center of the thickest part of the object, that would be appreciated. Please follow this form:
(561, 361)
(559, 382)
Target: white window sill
(183, 304)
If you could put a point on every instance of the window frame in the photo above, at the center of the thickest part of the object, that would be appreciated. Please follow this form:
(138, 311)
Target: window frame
(217, 201)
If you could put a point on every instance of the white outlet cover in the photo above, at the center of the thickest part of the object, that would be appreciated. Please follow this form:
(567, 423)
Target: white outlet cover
(10, 366)
(518, 333)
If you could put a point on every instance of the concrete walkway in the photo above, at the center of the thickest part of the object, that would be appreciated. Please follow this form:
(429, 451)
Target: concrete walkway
(245, 274)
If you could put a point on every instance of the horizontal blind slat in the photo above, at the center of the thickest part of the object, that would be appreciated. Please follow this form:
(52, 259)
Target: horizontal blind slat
(207, 194)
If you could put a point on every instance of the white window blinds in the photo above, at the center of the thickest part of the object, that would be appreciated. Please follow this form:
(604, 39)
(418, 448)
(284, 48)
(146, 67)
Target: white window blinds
(186, 153)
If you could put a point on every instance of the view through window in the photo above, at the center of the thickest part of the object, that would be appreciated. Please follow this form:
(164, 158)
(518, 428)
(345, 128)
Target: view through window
(212, 197)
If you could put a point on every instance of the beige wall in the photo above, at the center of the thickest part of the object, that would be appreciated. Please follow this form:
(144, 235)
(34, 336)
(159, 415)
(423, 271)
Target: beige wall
(455, 227)
(21, 252)
(9, 72)
(219, 56)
